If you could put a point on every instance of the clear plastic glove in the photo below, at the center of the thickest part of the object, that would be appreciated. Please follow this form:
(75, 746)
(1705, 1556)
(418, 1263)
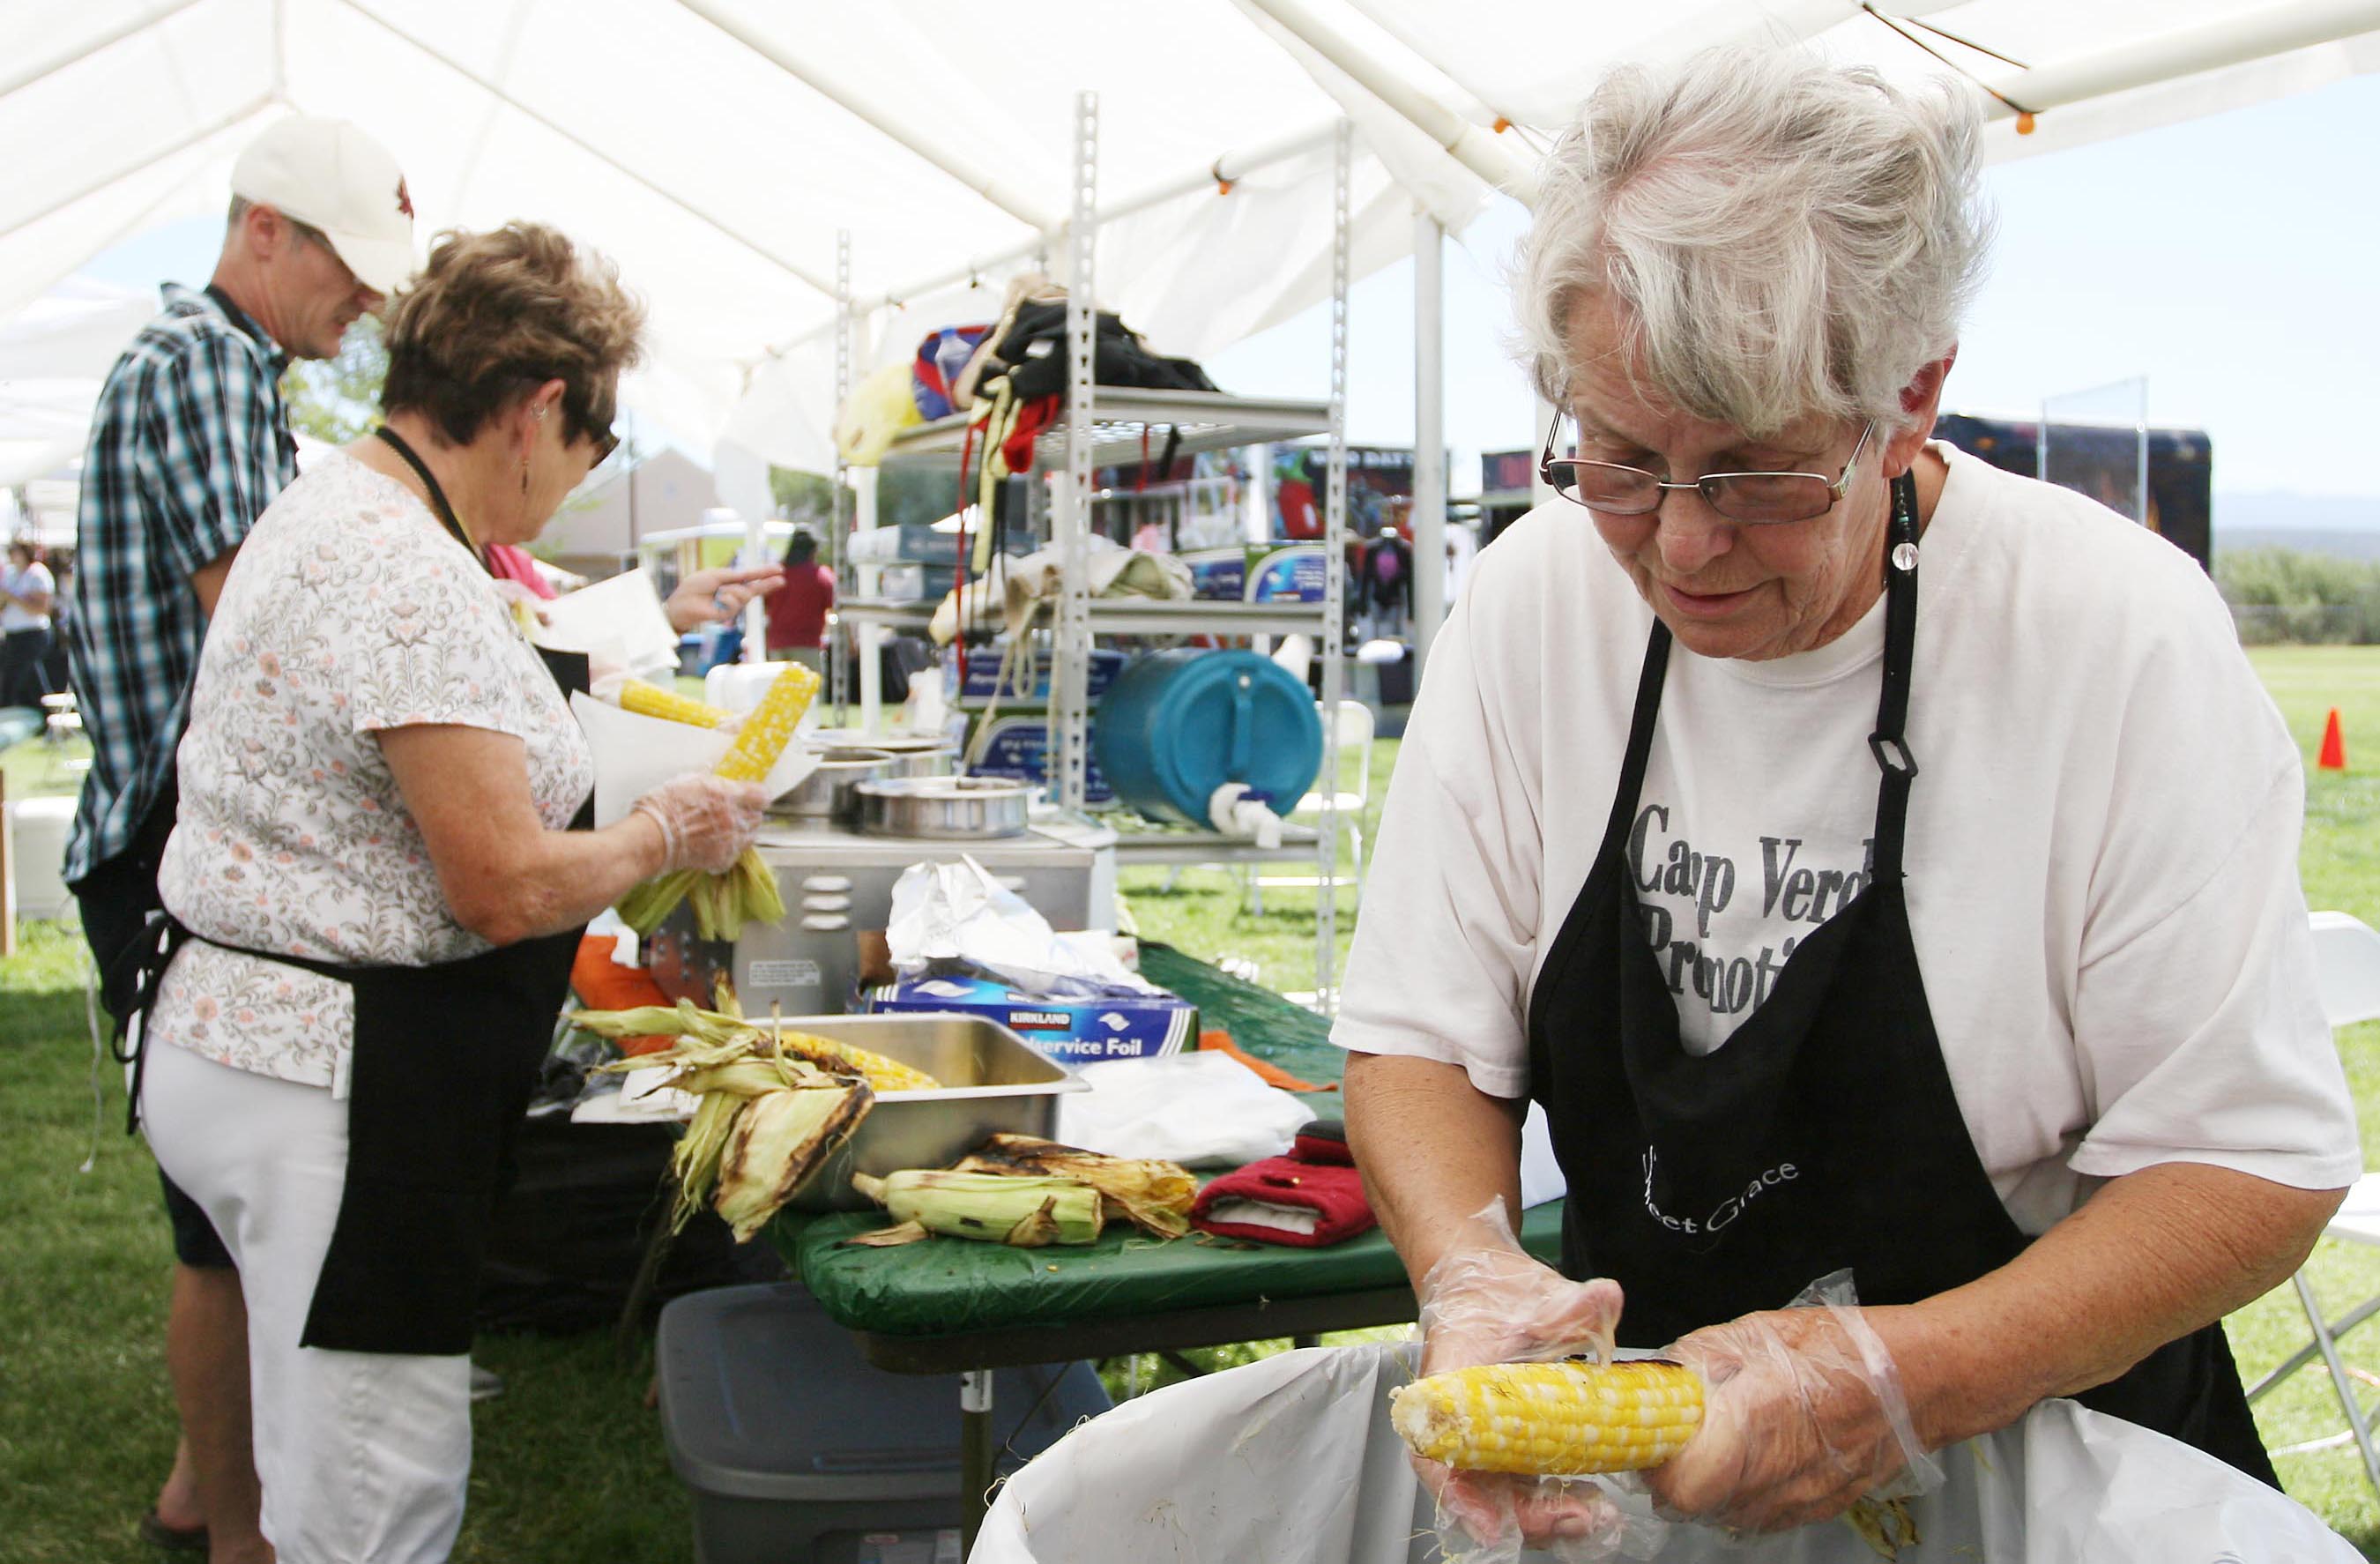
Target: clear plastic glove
(706, 821)
(1491, 1301)
(1802, 1416)
(718, 595)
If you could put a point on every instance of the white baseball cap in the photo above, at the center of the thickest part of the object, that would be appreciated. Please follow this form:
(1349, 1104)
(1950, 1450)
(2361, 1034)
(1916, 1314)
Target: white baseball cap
(329, 174)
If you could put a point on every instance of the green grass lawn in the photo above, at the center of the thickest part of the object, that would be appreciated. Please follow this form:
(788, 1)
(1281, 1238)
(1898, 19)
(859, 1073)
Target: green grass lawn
(568, 1462)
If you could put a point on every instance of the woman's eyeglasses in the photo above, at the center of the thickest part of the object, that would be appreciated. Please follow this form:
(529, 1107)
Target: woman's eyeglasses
(1753, 498)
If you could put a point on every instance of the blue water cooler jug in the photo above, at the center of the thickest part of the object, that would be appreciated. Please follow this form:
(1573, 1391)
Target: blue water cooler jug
(1176, 725)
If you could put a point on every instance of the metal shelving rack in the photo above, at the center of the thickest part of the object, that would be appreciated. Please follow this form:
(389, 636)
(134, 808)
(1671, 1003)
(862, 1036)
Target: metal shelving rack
(1106, 425)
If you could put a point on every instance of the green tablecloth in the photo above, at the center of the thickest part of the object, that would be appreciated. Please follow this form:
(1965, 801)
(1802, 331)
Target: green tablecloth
(947, 1287)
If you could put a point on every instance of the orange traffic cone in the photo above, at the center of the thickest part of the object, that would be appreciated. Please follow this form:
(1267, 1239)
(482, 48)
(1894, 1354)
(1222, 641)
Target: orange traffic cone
(2334, 745)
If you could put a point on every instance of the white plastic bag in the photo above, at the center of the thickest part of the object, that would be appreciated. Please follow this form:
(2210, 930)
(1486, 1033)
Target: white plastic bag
(956, 914)
(1292, 1460)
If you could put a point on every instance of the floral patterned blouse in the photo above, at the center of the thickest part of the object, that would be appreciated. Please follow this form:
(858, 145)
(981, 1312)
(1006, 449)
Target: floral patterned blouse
(349, 611)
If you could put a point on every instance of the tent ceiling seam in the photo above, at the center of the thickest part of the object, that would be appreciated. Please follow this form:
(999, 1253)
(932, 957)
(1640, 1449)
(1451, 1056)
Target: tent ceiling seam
(876, 117)
(249, 109)
(790, 268)
(98, 44)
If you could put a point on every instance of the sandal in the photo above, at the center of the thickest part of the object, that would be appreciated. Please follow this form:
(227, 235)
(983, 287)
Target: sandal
(172, 1539)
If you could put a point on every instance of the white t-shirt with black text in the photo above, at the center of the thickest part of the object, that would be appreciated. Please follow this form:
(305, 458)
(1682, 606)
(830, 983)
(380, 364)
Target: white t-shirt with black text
(2101, 852)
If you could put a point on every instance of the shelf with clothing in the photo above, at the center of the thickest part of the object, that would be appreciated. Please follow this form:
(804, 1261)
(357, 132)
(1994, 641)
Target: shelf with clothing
(1111, 425)
(1128, 616)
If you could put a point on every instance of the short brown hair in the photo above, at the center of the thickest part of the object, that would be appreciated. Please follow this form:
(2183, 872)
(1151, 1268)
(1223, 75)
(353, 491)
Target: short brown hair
(495, 314)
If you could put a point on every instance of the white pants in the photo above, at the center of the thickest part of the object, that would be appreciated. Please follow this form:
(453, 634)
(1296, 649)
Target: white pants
(363, 1456)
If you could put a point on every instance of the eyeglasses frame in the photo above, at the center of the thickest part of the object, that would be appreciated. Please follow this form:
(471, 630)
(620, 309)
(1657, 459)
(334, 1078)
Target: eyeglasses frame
(1836, 488)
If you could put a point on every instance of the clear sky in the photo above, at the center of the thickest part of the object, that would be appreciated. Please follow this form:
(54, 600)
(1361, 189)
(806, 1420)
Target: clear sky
(2233, 260)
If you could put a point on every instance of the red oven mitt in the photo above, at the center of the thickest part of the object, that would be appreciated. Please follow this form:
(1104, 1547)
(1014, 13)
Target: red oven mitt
(1311, 1197)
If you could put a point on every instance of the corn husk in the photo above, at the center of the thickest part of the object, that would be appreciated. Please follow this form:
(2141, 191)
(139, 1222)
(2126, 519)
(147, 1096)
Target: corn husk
(1025, 1212)
(781, 1139)
(719, 1037)
(765, 1117)
(1153, 1195)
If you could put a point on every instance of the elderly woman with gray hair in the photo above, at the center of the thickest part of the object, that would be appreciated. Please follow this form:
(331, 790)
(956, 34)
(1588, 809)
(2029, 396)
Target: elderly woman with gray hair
(1872, 861)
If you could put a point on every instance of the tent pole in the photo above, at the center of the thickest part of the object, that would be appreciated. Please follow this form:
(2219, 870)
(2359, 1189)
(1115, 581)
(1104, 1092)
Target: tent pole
(1475, 148)
(106, 40)
(246, 110)
(2227, 41)
(1429, 435)
(877, 116)
(710, 220)
(1334, 591)
(1067, 740)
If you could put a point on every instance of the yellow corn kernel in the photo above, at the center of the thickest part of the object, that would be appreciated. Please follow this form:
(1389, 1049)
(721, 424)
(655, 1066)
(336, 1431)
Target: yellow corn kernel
(769, 726)
(1568, 1419)
(651, 700)
(883, 1075)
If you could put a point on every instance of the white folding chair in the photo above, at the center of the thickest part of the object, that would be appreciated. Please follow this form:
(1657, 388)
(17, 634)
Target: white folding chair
(2347, 966)
(1353, 791)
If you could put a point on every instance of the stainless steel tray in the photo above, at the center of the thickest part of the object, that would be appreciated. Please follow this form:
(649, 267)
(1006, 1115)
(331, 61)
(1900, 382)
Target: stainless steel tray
(994, 1081)
(944, 808)
(914, 755)
(826, 793)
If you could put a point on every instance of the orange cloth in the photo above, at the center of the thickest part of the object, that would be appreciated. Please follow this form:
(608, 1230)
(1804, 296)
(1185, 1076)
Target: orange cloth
(1220, 1041)
(601, 983)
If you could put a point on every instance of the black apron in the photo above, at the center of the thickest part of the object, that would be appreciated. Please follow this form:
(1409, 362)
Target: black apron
(445, 1059)
(1824, 1134)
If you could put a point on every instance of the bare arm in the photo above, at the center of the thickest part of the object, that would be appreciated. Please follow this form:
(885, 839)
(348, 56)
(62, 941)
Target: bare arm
(207, 581)
(505, 876)
(1434, 1151)
(2152, 1255)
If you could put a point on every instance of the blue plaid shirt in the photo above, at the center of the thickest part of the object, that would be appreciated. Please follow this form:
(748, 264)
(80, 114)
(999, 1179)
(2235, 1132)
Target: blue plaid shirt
(190, 443)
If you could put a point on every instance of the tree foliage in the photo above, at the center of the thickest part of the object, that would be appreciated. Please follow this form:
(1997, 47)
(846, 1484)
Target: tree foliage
(337, 400)
(2281, 594)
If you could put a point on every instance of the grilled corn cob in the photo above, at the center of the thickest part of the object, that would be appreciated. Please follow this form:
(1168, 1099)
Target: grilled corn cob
(651, 700)
(1027, 1212)
(882, 1073)
(763, 735)
(1153, 1195)
(1568, 1419)
(779, 1140)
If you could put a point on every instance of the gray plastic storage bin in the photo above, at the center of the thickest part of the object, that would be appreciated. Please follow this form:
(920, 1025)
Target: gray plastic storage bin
(783, 1433)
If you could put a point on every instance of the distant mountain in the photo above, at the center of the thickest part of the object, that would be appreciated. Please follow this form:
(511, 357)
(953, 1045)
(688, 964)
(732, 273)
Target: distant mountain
(2344, 525)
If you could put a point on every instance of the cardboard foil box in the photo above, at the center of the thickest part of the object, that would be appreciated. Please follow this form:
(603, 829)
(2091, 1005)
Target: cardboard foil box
(1070, 1031)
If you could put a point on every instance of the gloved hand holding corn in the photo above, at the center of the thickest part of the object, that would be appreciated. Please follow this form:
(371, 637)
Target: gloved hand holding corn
(724, 902)
(1767, 1421)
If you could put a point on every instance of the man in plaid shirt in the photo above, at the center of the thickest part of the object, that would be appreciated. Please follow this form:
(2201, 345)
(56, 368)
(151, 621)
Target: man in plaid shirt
(190, 442)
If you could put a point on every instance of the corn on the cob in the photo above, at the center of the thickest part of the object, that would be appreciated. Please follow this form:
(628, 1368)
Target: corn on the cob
(882, 1073)
(1568, 1419)
(746, 892)
(1027, 1212)
(762, 737)
(651, 700)
(1153, 1195)
(779, 1140)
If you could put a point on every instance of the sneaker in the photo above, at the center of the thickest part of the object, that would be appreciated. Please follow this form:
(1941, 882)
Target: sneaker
(486, 1384)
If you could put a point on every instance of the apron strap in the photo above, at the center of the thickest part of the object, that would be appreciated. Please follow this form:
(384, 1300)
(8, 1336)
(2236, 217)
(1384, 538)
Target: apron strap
(439, 504)
(1640, 737)
(1889, 743)
(143, 964)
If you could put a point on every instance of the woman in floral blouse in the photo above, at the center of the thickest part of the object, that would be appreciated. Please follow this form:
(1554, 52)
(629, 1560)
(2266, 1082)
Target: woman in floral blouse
(379, 871)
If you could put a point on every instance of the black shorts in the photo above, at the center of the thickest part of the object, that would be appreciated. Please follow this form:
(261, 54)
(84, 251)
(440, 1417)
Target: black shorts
(117, 899)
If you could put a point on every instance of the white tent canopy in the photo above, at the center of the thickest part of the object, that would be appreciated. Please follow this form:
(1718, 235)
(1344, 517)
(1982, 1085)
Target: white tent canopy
(715, 148)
